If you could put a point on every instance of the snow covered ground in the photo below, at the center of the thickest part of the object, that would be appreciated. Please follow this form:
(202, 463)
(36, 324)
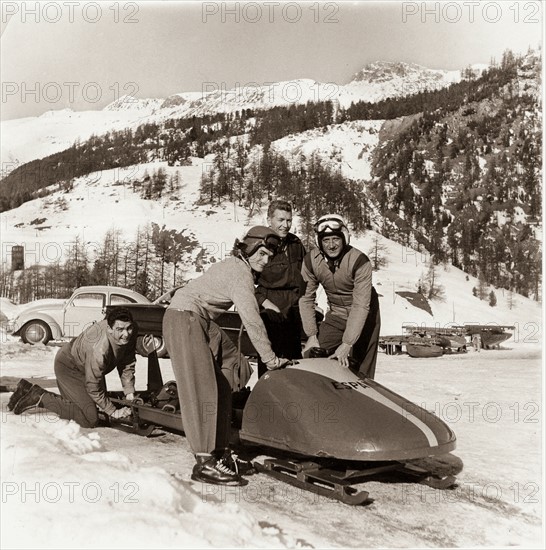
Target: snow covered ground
(67, 487)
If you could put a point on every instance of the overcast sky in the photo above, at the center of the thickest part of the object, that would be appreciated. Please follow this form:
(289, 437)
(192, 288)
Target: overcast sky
(84, 55)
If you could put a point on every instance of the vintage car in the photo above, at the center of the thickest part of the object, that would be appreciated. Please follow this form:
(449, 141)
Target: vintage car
(54, 320)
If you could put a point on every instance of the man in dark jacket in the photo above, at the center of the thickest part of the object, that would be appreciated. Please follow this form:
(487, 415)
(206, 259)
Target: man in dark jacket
(351, 326)
(279, 286)
(80, 368)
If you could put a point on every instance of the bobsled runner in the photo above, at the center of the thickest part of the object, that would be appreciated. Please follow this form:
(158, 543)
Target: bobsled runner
(327, 428)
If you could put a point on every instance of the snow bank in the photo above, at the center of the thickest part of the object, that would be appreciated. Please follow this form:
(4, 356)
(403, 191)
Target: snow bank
(54, 476)
(8, 310)
(19, 359)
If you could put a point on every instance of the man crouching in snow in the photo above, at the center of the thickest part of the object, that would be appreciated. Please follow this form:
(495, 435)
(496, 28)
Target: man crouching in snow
(80, 368)
(197, 354)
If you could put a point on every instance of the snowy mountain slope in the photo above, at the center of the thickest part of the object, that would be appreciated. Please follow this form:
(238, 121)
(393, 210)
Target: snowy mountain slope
(99, 203)
(377, 81)
(36, 137)
(26, 139)
(129, 103)
(347, 146)
(459, 306)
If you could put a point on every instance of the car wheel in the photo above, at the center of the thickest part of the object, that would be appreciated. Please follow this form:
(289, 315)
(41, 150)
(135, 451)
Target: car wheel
(36, 332)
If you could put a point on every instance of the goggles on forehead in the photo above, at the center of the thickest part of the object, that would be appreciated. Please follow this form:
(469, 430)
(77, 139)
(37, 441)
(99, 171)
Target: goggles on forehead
(332, 224)
(271, 242)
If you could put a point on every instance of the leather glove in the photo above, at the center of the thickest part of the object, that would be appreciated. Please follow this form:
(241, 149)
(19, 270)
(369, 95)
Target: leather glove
(121, 413)
(278, 363)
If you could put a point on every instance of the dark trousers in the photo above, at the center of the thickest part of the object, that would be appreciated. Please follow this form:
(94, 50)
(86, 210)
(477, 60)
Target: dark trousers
(364, 351)
(74, 403)
(284, 332)
(197, 349)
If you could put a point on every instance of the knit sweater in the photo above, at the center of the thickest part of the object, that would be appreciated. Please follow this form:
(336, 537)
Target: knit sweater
(229, 282)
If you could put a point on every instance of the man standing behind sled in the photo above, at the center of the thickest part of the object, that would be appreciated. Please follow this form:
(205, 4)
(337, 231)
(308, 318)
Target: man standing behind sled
(351, 326)
(280, 286)
(198, 347)
(80, 368)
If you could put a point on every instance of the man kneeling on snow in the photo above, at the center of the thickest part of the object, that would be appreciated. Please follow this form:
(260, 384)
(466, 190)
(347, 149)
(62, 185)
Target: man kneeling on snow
(80, 368)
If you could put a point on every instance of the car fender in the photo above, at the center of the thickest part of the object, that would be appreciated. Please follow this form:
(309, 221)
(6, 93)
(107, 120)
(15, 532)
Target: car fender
(23, 319)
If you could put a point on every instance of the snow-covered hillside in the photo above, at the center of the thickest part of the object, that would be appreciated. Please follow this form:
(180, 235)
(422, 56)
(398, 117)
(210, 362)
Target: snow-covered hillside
(102, 201)
(36, 137)
(48, 227)
(346, 146)
(26, 139)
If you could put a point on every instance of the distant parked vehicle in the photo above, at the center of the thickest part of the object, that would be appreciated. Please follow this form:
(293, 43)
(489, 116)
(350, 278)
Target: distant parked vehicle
(39, 323)
(421, 341)
(490, 335)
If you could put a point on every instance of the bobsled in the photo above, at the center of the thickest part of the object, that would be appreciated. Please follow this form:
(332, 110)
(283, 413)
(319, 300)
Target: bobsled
(326, 428)
(318, 408)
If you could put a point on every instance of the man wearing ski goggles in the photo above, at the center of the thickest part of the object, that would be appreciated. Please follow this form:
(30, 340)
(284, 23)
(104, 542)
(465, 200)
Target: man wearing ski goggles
(271, 242)
(332, 224)
(351, 325)
(206, 364)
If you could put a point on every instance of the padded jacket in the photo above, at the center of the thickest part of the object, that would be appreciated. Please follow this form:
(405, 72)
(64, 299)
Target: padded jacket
(348, 285)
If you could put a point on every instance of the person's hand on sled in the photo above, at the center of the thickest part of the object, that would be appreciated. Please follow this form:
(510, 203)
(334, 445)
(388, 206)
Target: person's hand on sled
(121, 413)
(342, 355)
(278, 363)
(130, 397)
(312, 342)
